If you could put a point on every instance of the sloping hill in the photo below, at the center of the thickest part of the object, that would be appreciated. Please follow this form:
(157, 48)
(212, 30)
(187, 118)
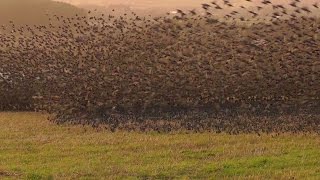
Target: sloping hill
(34, 11)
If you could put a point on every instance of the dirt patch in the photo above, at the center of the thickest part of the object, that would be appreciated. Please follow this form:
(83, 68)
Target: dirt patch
(4, 173)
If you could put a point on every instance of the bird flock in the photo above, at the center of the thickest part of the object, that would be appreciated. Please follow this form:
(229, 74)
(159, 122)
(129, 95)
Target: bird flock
(221, 67)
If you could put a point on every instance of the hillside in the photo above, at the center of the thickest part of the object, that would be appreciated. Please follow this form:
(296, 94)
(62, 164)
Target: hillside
(33, 11)
(159, 8)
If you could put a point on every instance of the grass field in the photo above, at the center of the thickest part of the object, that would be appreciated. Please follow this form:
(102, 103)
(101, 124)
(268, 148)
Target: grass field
(33, 148)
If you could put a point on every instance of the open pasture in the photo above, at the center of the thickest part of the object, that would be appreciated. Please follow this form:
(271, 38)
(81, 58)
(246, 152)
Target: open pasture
(34, 148)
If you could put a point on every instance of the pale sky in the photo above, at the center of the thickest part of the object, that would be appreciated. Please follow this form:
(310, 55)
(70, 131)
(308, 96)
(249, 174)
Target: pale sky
(169, 3)
(139, 3)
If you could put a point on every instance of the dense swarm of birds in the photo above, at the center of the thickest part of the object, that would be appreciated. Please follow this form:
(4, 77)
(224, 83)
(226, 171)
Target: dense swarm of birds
(196, 70)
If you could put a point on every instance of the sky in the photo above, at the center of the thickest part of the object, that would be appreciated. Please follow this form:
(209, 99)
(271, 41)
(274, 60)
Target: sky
(140, 3)
(166, 3)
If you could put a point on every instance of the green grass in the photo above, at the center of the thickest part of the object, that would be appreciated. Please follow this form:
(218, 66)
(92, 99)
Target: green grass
(33, 148)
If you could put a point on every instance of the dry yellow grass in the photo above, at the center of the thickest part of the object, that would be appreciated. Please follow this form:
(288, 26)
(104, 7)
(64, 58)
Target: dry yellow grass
(33, 148)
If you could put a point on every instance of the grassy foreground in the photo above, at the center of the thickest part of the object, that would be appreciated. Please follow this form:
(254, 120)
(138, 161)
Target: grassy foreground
(33, 148)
